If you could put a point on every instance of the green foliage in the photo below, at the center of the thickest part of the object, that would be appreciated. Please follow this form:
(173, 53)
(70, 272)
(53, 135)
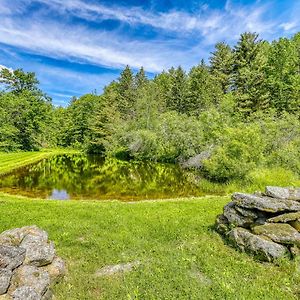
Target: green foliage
(239, 151)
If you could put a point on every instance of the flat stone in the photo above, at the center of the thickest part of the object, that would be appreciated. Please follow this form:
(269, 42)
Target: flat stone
(11, 257)
(14, 237)
(259, 246)
(234, 217)
(38, 251)
(56, 270)
(266, 204)
(30, 276)
(115, 269)
(5, 276)
(284, 218)
(283, 192)
(251, 213)
(25, 292)
(279, 232)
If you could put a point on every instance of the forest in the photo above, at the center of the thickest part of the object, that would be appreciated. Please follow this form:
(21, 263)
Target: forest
(240, 109)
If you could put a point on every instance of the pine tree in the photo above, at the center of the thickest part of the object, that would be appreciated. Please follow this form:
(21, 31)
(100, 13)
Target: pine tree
(177, 93)
(140, 79)
(221, 63)
(203, 90)
(249, 74)
(126, 94)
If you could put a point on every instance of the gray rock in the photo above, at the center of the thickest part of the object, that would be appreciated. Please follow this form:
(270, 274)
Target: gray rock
(11, 257)
(25, 293)
(266, 204)
(284, 218)
(247, 212)
(234, 217)
(197, 160)
(56, 270)
(283, 192)
(260, 247)
(38, 251)
(31, 276)
(14, 237)
(5, 276)
(280, 233)
(115, 269)
(222, 224)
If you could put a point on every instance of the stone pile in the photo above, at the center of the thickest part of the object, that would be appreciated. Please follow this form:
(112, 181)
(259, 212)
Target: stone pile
(29, 266)
(266, 225)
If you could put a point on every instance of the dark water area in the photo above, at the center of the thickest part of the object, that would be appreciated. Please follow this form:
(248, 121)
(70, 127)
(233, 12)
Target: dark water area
(80, 176)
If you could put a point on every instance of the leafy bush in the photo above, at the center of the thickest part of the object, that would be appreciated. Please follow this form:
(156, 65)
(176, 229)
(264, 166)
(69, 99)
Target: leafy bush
(240, 150)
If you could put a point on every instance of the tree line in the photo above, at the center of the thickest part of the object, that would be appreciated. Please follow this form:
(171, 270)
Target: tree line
(242, 108)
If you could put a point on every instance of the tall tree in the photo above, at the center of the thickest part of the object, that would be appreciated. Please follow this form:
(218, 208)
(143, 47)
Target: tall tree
(126, 94)
(140, 79)
(249, 74)
(221, 62)
(203, 90)
(177, 93)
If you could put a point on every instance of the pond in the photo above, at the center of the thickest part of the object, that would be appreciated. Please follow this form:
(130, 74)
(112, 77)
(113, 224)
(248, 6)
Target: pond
(80, 176)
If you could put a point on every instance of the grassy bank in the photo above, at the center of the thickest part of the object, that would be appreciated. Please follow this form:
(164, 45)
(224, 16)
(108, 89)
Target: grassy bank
(15, 160)
(180, 255)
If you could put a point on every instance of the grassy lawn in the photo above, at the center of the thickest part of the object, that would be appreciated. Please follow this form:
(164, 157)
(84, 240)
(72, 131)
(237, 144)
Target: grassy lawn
(180, 255)
(14, 160)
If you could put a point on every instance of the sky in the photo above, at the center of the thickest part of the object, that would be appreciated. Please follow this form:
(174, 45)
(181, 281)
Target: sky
(79, 46)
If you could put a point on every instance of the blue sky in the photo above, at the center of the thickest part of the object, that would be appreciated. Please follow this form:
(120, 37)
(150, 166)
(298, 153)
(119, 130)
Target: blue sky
(79, 46)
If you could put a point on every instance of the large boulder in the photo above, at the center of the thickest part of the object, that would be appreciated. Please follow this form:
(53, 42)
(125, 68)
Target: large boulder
(283, 192)
(257, 245)
(266, 204)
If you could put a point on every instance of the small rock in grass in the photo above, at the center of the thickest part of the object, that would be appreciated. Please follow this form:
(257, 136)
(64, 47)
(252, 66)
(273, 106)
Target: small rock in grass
(279, 232)
(283, 192)
(115, 269)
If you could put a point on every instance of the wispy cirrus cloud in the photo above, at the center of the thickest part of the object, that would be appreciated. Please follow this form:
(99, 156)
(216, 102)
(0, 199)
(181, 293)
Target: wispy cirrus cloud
(75, 31)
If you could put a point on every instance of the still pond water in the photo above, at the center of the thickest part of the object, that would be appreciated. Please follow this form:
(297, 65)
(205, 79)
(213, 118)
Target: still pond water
(79, 176)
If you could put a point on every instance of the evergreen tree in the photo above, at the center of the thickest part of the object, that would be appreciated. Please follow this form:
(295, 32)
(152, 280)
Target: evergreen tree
(126, 94)
(177, 92)
(140, 79)
(203, 90)
(249, 74)
(284, 76)
(221, 62)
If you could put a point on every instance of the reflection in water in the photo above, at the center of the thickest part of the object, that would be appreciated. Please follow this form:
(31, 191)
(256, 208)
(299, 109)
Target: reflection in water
(59, 195)
(80, 176)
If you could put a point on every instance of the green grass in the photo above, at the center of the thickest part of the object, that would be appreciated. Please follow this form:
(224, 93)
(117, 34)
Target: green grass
(15, 160)
(180, 255)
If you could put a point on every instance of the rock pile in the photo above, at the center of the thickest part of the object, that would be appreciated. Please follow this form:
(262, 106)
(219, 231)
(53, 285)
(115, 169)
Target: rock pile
(29, 266)
(266, 225)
